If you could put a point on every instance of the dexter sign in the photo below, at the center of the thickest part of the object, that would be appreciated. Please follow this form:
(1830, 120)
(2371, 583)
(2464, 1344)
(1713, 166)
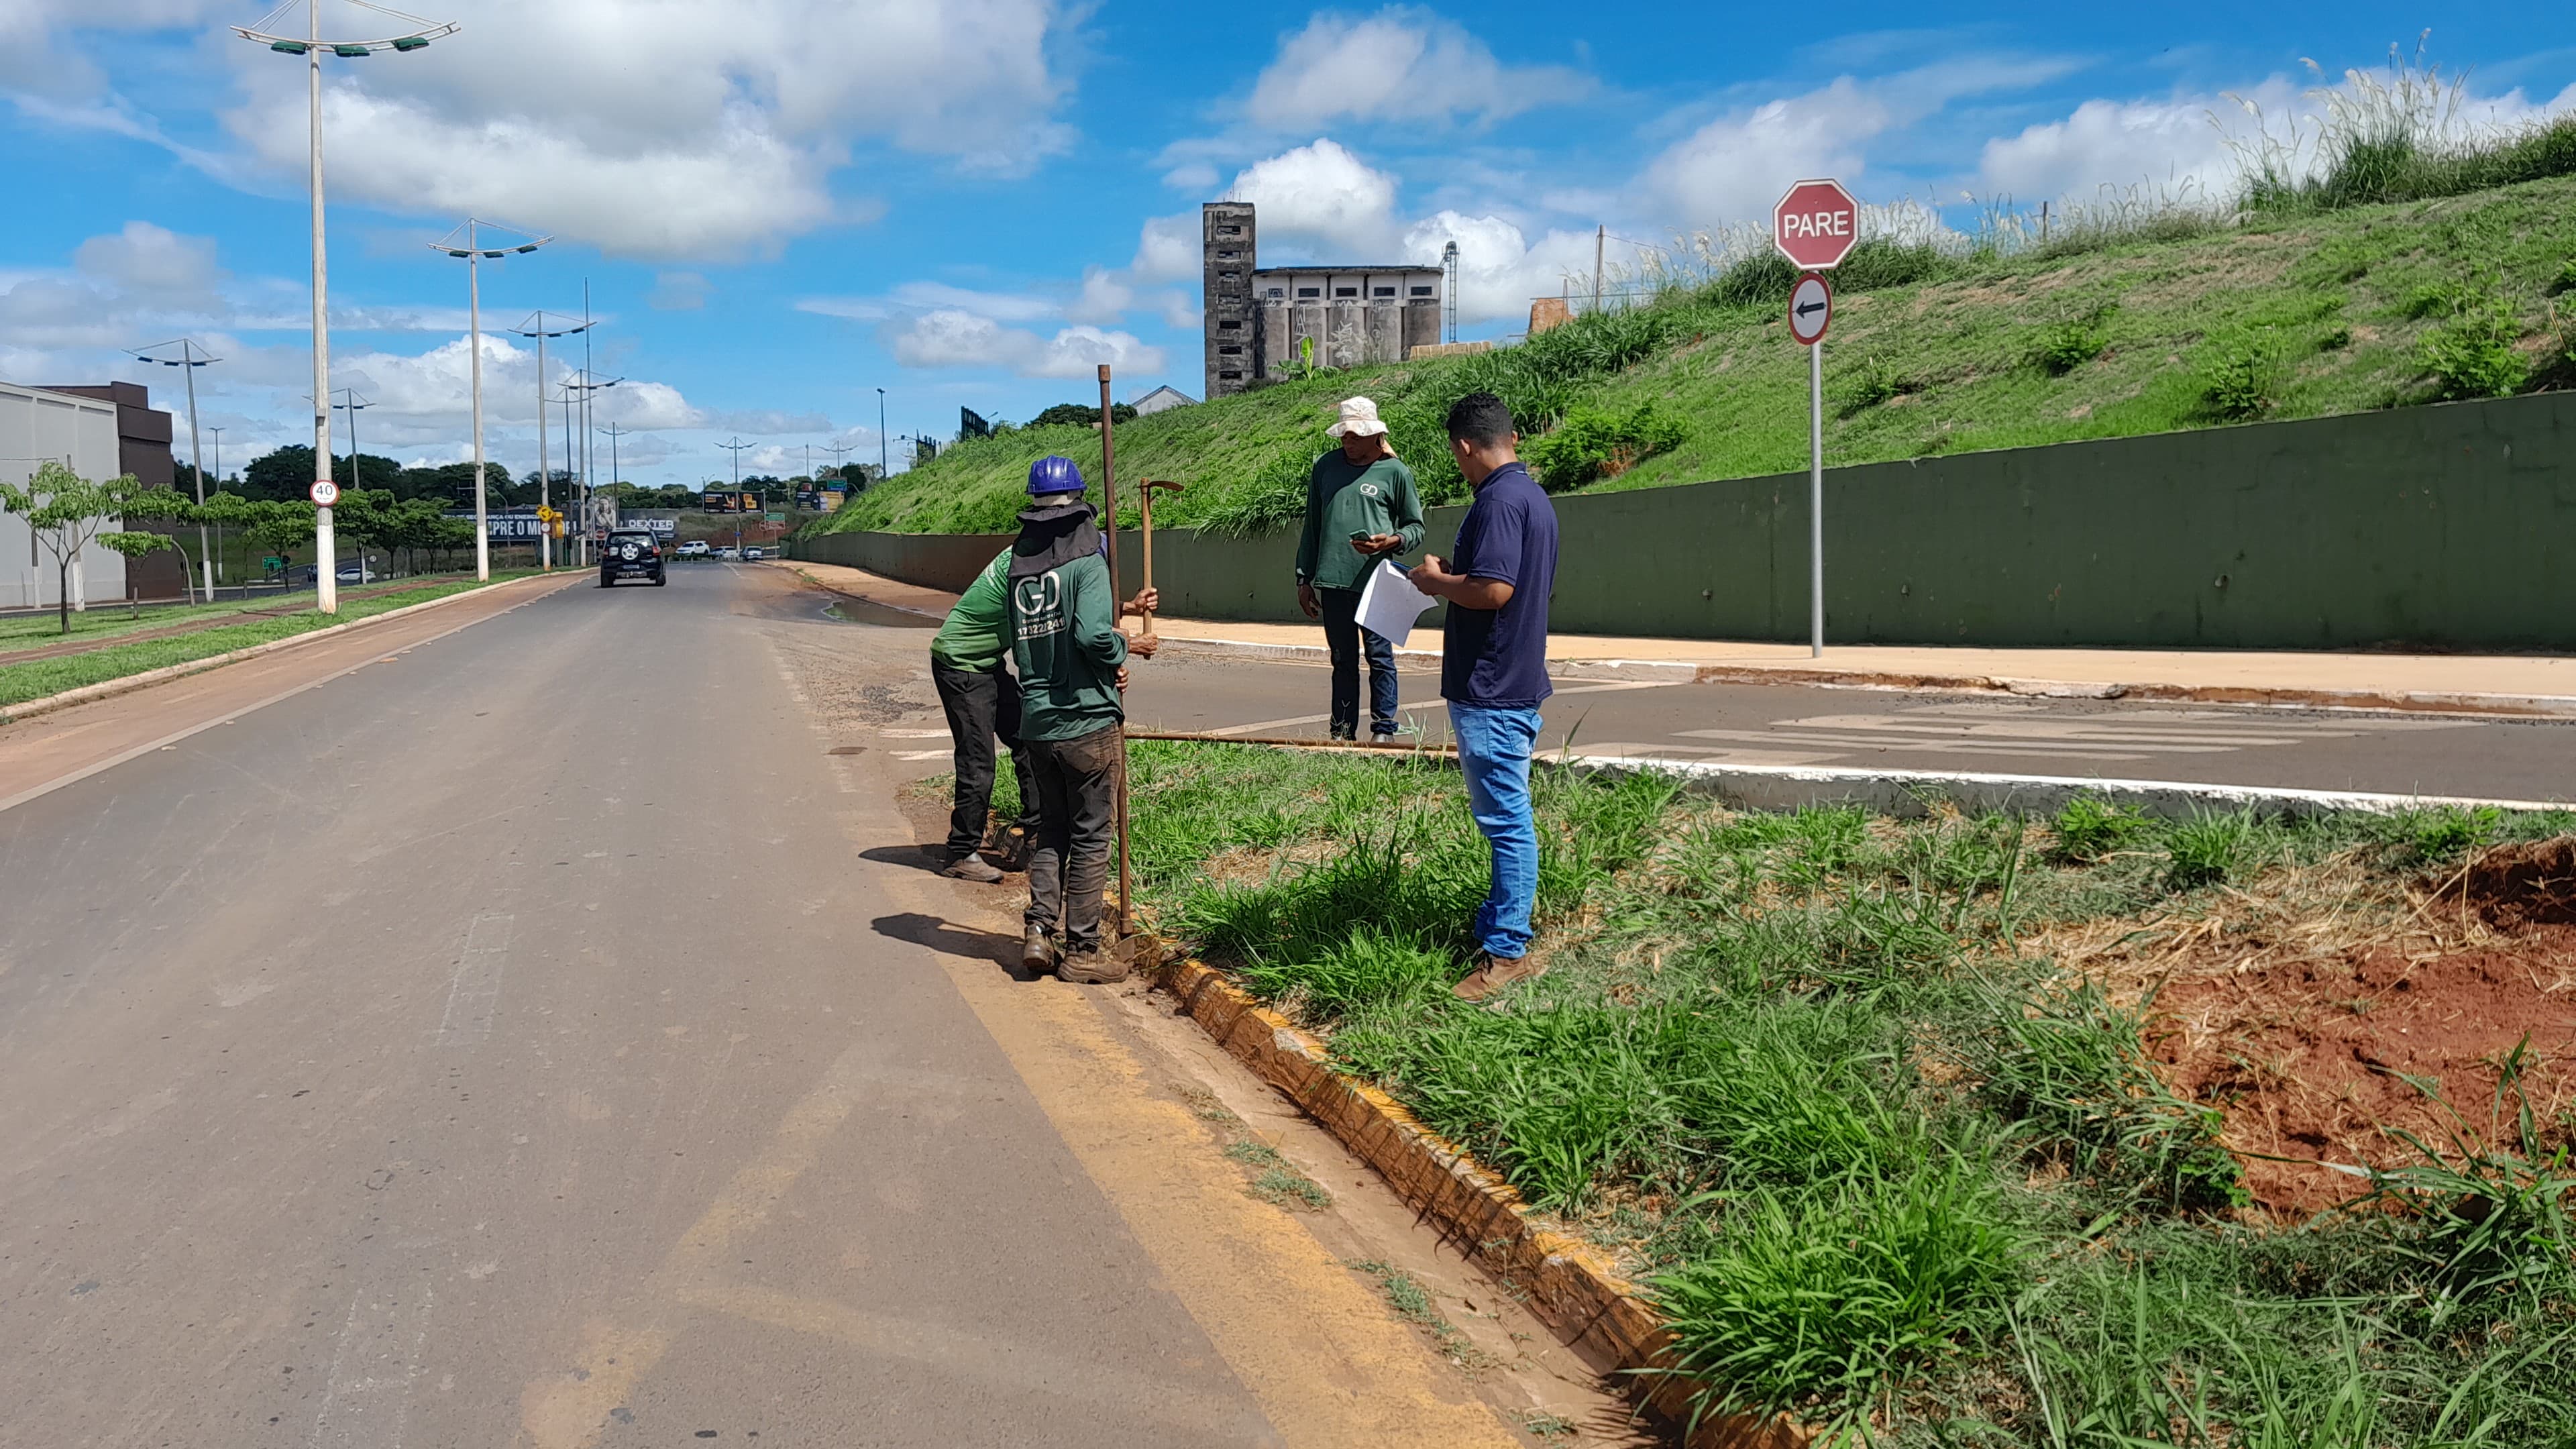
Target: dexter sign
(1816, 224)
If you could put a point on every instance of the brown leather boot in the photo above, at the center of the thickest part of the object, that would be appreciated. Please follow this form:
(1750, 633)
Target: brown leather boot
(1493, 974)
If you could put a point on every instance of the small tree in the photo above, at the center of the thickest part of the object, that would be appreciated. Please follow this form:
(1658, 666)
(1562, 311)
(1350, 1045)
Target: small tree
(134, 545)
(168, 505)
(278, 526)
(67, 513)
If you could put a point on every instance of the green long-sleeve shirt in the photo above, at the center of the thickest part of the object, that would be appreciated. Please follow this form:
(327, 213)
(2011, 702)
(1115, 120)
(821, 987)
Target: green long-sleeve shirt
(1065, 640)
(977, 636)
(1342, 500)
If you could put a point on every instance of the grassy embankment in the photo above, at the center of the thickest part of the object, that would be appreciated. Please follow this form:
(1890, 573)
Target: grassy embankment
(1894, 1117)
(2381, 284)
(39, 678)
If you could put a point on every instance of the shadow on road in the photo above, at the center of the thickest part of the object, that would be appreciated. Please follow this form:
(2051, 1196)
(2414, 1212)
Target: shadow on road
(951, 939)
(931, 856)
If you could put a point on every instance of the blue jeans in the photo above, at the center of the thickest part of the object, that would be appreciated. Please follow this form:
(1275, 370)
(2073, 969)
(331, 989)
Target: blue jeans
(1494, 747)
(1348, 642)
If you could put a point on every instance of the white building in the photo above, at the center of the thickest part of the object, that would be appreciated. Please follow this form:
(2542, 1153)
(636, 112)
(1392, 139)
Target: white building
(37, 426)
(1162, 400)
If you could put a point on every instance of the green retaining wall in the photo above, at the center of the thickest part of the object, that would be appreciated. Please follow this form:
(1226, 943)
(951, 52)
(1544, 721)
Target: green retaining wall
(2441, 527)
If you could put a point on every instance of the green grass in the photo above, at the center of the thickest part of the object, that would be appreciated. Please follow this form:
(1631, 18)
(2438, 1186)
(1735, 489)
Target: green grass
(1812, 1078)
(1275, 1182)
(2319, 307)
(40, 678)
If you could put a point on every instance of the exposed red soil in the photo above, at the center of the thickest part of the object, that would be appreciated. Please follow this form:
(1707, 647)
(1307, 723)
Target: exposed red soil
(2309, 1059)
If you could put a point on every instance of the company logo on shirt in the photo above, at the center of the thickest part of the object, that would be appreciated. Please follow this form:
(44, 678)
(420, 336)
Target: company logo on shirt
(1368, 490)
(1037, 605)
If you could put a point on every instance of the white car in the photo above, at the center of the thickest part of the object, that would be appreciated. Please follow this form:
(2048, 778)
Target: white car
(754, 553)
(727, 553)
(694, 548)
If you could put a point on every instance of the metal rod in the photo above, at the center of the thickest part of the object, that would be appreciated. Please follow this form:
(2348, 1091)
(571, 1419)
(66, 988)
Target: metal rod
(1117, 605)
(1445, 752)
(326, 583)
(1816, 497)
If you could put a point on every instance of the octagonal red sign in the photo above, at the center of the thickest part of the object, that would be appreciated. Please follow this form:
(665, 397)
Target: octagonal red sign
(1816, 224)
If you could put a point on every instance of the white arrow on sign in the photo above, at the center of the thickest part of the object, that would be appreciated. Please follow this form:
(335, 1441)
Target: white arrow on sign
(1811, 310)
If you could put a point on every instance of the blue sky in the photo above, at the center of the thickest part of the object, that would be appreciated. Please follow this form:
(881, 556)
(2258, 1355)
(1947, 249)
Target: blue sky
(781, 206)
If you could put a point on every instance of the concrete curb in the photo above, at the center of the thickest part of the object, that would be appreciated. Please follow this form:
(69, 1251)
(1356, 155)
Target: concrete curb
(110, 688)
(1911, 792)
(1567, 1284)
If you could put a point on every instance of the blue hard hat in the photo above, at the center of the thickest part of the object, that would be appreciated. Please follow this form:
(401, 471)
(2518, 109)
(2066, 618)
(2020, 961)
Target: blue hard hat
(1052, 474)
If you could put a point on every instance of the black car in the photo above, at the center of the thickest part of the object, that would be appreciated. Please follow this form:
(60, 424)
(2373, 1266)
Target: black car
(630, 553)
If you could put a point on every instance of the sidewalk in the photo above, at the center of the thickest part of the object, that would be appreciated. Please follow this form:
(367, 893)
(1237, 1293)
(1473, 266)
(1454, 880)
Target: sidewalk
(2448, 683)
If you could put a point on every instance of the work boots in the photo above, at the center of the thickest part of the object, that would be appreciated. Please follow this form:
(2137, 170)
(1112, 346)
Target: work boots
(1092, 966)
(1037, 952)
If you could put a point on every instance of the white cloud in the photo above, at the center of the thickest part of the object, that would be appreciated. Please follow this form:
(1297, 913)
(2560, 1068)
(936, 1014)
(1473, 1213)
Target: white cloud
(151, 259)
(1104, 297)
(1402, 64)
(706, 128)
(1735, 167)
(1192, 176)
(952, 337)
(1167, 249)
(1321, 199)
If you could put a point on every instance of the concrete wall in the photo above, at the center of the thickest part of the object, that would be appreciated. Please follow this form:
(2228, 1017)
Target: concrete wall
(35, 426)
(2446, 527)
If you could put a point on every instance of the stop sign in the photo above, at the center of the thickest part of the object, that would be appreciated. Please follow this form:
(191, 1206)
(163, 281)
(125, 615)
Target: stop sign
(1816, 224)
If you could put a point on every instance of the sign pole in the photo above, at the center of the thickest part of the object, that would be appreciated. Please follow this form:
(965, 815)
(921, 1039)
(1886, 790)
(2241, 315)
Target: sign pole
(1816, 498)
(1117, 605)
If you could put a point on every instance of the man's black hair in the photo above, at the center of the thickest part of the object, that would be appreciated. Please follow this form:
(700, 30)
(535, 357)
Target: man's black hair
(1480, 418)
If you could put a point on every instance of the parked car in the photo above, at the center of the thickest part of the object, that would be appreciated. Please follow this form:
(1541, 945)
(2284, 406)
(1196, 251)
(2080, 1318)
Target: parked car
(754, 553)
(727, 553)
(694, 548)
(630, 553)
(353, 574)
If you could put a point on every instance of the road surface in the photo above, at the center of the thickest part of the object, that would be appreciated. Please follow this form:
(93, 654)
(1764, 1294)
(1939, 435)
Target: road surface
(530, 1023)
(1792, 724)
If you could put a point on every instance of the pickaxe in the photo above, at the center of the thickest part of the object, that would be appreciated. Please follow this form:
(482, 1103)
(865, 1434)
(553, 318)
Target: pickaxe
(1147, 508)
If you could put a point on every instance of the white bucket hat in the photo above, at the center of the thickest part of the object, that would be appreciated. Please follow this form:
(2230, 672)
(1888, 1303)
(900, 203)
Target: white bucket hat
(1359, 415)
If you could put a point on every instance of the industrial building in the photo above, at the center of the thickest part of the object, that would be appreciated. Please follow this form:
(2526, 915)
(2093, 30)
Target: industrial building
(39, 426)
(1261, 320)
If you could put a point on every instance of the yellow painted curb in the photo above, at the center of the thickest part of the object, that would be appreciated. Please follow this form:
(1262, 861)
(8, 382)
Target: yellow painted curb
(1568, 1284)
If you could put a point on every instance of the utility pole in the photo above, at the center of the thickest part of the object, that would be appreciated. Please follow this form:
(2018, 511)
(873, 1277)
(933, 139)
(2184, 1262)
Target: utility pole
(840, 460)
(216, 572)
(188, 362)
(356, 481)
(736, 447)
(1599, 239)
(882, 467)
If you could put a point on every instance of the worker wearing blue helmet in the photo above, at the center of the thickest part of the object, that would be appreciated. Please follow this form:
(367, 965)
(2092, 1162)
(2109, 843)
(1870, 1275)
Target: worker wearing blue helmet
(1072, 660)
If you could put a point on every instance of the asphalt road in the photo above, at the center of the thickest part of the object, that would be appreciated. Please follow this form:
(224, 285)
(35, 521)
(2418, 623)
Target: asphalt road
(1789, 724)
(541, 1035)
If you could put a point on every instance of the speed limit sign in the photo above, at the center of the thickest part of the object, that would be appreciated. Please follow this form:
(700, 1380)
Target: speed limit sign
(325, 493)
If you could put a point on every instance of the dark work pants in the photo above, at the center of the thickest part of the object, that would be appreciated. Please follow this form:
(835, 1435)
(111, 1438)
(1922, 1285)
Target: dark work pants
(1077, 794)
(979, 706)
(1347, 639)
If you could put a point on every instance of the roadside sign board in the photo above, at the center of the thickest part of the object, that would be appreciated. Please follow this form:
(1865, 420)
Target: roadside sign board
(1816, 224)
(1811, 309)
(325, 493)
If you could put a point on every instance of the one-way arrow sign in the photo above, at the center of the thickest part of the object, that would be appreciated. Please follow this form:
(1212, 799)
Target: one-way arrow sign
(1811, 310)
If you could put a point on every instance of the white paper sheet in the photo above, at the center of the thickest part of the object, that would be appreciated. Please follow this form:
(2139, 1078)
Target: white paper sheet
(1389, 604)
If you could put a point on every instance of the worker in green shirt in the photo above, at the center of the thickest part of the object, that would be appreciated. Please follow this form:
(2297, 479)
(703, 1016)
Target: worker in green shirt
(1072, 661)
(1361, 506)
(981, 700)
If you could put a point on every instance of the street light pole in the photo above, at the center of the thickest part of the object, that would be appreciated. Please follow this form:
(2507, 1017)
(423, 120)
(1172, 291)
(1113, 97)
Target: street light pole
(214, 569)
(735, 447)
(585, 388)
(326, 591)
(882, 466)
(473, 252)
(188, 362)
(357, 480)
(536, 328)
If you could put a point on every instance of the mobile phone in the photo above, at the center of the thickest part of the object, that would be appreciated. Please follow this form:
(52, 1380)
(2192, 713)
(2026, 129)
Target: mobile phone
(1361, 535)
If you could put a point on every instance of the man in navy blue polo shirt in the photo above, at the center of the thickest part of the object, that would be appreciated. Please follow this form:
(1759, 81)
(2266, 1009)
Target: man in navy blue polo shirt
(1493, 669)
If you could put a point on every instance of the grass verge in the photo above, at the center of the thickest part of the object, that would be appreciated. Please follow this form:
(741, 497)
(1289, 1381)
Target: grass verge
(38, 679)
(1884, 1112)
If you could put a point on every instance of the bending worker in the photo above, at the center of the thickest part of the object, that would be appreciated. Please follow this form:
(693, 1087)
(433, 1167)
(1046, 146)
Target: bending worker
(981, 700)
(1072, 659)
(1360, 507)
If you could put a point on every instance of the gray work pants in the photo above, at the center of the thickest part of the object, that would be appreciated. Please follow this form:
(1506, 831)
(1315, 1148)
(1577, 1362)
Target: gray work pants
(1077, 799)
